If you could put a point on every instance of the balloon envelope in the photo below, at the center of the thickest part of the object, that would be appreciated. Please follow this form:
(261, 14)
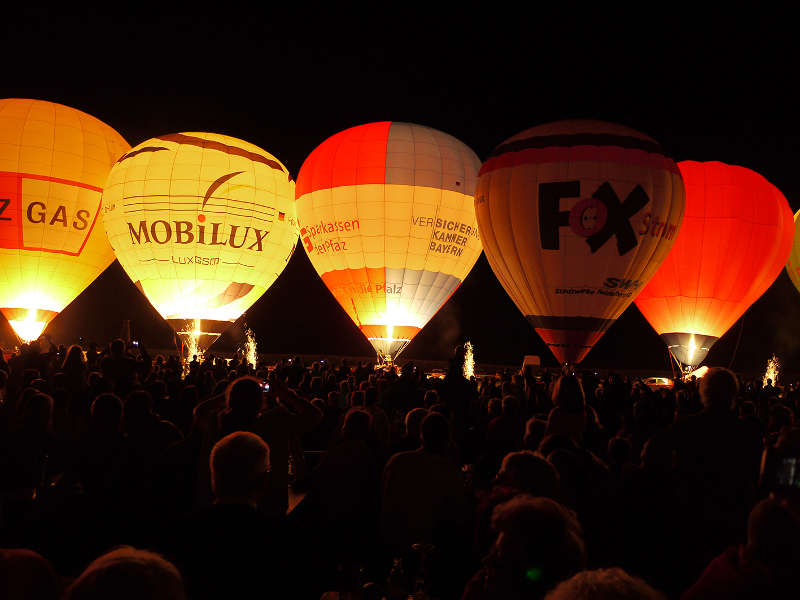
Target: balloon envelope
(736, 236)
(54, 161)
(793, 264)
(575, 217)
(203, 224)
(387, 219)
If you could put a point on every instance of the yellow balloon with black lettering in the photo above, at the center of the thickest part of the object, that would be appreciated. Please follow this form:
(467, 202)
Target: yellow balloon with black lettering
(54, 161)
(203, 224)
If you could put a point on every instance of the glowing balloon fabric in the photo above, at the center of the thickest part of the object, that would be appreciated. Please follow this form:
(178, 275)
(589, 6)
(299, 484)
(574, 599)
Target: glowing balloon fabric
(575, 217)
(735, 239)
(203, 224)
(54, 161)
(387, 219)
(793, 265)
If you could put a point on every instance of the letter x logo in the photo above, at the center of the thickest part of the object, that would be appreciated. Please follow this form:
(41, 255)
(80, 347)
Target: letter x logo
(4, 202)
(618, 220)
(596, 218)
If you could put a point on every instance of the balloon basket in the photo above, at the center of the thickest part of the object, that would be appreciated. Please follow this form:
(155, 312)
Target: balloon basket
(388, 349)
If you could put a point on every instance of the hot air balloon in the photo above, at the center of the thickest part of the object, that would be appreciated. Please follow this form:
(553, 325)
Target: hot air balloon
(54, 161)
(735, 239)
(386, 216)
(575, 217)
(203, 224)
(793, 264)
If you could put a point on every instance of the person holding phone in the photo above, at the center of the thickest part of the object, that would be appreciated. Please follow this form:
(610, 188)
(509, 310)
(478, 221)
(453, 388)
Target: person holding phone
(285, 418)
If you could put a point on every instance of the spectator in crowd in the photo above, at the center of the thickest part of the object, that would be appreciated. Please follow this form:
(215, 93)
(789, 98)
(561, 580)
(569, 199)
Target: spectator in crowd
(128, 574)
(413, 423)
(571, 415)
(25, 575)
(423, 498)
(286, 418)
(765, 567)
(604, 584)
(521, 472)
(716, 462)
(539, 544)
(229, 549)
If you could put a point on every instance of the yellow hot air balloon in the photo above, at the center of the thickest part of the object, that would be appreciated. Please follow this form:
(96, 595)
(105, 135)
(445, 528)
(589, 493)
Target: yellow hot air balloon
(203, 224)
(54, 161)
(793, 264)
(387, 218)
(575, 217)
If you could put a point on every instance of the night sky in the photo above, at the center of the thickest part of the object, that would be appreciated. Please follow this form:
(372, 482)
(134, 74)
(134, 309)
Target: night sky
(707, 87)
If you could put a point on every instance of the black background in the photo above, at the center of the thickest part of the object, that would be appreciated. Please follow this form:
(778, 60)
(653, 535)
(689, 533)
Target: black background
(716, 86)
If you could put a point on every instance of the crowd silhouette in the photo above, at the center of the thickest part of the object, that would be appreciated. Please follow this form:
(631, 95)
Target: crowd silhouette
(121, 476)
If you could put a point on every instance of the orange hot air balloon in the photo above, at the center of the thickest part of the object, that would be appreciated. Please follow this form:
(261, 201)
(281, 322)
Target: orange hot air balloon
(575, 218)
(387, 219)
(54, 161)
(735, 239)
(793, 264)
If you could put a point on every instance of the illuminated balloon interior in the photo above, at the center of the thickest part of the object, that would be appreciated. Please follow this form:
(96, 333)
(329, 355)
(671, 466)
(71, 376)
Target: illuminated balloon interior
(203, 224)
(735, 239)
(54, 161)
(387, 218)
(575, 218)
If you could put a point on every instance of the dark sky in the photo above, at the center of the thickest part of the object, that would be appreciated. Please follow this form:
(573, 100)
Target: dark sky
(708, 87)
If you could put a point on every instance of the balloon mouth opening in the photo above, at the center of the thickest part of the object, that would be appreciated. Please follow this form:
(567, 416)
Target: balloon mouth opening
(388, 348)
(29, 329)
(28, 323)
(197, 335)
(389, 341)
(689, 349)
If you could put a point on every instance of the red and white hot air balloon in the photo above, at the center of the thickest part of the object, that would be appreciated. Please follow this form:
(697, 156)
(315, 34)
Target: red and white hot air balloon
(387, 219)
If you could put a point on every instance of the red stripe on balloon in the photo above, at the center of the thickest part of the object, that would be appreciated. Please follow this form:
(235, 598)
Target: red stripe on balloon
(579, 153)
(569, 345)
(355, 156)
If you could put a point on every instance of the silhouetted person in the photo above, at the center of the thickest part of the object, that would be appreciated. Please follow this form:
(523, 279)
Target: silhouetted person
(25, 575)
(380, 421)
(128, 574)
(769, 390)
(521, 472)
(765, 567)
(103, 452)
(74, 369)
(571, 415)
(716, 464)
(411, 439)
(347, 485)
(231, 550)
(119, 368)
(506, 431)
(244, 400)
(539, 543)
(286, 418)
(423, 491)
(25, 453)
(604, 584)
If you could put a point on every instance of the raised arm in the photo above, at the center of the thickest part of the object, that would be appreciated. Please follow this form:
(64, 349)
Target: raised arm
(304, 416)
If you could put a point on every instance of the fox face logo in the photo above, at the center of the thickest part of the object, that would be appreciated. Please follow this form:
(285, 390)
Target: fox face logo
(611, 216)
